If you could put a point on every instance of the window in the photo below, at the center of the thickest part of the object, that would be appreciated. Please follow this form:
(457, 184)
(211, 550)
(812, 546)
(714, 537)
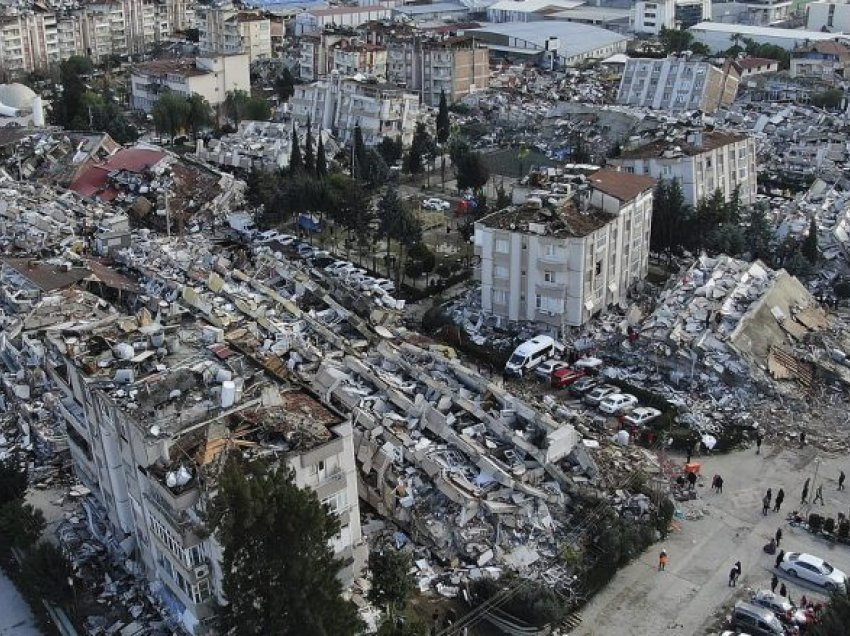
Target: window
(548, 276)
(337, 503)
(550, 250)
(598, 268)
(500, 271)
(500, 296)
(502, 246)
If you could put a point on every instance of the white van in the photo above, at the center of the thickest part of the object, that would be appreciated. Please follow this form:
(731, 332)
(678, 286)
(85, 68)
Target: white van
(531, 353)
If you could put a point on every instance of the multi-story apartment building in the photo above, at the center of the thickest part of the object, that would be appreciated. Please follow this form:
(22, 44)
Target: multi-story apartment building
(154, 407)
(225, 30)
(105, 31)
(702, 162)
(677, 83)
(753, 12)
(653, 15)
(558, 268)
(341, 104)
(316, 54)
(365, 59)
(826, 61)
(256, 33)
(458, 66)
(210, 77)
(828, 15)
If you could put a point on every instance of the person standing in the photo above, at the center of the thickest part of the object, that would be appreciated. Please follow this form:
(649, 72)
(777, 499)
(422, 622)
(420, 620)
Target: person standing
(733, 576)
(802, 438)
(765, 505)
(818, 495)
(769, 494)
(779, 558)
(780, 497)
(662, 560)
(805, 496)
(841, 478)
(782, 591)
(759, 440)
(688, 458)
(778, 536)
(738, 567)
(692, 480)
(774, 581)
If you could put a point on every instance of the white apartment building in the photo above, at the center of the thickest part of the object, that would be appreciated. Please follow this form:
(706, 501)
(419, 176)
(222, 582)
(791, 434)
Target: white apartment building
(341, 104)
(559, 268)
(828, 15)
(316, 54)
(210, 77)
(225, 30)
(754, 12)
(149, 433)
(363, 59)
(459, 67)
(677, 83)
(652, 16)
(313, 21)
(702, 162)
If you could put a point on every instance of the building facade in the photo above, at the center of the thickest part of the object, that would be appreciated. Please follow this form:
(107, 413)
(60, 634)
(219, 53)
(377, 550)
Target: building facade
(828, 15)
(363, 59)
(701, 162)
(557, 269)
(152, 463)
(210, 77)
(226, 30)
(677, 83)
(825, 61)
(341, 104)
(458, 66)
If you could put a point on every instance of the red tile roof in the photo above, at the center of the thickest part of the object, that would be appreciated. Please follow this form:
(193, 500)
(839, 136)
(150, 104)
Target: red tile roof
(94, 179)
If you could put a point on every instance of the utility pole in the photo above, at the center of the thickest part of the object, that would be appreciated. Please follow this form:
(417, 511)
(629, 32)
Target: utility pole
(167, 216)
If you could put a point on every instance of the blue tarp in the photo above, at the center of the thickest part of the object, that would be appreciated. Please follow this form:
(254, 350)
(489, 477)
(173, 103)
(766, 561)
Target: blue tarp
(309, 223)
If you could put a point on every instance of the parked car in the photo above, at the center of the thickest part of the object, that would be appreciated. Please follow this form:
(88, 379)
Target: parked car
(599, 393)
(336, 266)
(545, 369)
(780, 606)
(583, 385)
(813, 569)
(268, 235)
(642, 415)
(565, 376)
(436, 204)
(756, 620)
(617, 403)
(386, 284)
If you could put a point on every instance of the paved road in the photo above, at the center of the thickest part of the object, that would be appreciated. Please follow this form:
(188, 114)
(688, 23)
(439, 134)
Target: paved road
(15, 616)
(693, 593)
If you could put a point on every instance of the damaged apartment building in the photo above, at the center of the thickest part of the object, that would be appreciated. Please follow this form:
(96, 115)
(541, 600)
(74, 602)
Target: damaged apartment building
(557, 267)
(153, 404)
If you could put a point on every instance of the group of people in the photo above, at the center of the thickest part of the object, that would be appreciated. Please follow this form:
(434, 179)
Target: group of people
(768, 497)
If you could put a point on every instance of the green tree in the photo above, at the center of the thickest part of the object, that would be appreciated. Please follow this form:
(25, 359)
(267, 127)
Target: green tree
(675, 40)
(798, 265)
(391, 150)
(13, 481)
(420, 147)
(391, 580)
(258, 109)
(397, 222)
(44, 574)
(830, 98)
(309, 157)
(670, 218)
(727, 238)
(321, 160)
(503, 199)
(235, 103)
(734, 208)
(443, 123)
(359, 164)
(296, 163)
(21, 526)
(809, 249)
(261, 186)
(170, 113)
(269, 590)
(67, 107)
(420, 261)
(377, 171)
(841, 289)
(834, 621)
(402, 626)
(757, 233)
(285, 85)
(471, 171)
(200, 114)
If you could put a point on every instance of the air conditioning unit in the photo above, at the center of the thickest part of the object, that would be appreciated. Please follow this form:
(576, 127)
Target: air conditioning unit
(202, 571)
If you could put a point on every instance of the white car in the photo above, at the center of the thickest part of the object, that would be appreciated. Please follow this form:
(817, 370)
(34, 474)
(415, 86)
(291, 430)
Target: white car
(813, 569)
(546, 368)
(618, 403)
(436, 204)
(336, 266)
(268, 235)
(386, 284)
(642, 415)
(780, 606)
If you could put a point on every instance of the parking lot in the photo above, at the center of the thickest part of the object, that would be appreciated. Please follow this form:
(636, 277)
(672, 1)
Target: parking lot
(693, 595)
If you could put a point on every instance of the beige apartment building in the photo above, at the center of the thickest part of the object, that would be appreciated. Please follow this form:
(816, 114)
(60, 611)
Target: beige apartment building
(457, 66)
(364, 59)
(702, 162)
(225, 30)
(677, 83)
(557, 268)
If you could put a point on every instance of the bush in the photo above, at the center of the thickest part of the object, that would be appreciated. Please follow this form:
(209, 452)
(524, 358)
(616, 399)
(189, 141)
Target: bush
(815, 522)
(829, 525)
(842, 289)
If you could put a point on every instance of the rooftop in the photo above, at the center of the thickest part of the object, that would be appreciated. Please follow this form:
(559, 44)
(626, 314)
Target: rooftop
(754, 62)
(748, 30)
(621, 185)
(825, 48)
(436, 7)
(183, 67)
(689, 146)
(564, 222)
(575, 38)
(95, 179)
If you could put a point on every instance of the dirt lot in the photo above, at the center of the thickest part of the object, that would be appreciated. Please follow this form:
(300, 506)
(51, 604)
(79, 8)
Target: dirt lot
(693, 593)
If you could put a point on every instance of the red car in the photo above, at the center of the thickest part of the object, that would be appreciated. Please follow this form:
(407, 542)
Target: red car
(565, 376)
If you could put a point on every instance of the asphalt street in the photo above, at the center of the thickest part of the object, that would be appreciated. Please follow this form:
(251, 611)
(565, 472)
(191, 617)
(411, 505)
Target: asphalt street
(693, 594)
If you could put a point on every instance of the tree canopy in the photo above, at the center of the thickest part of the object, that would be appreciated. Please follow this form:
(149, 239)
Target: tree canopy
(443, 123)
(170, 113)
(279, 570)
